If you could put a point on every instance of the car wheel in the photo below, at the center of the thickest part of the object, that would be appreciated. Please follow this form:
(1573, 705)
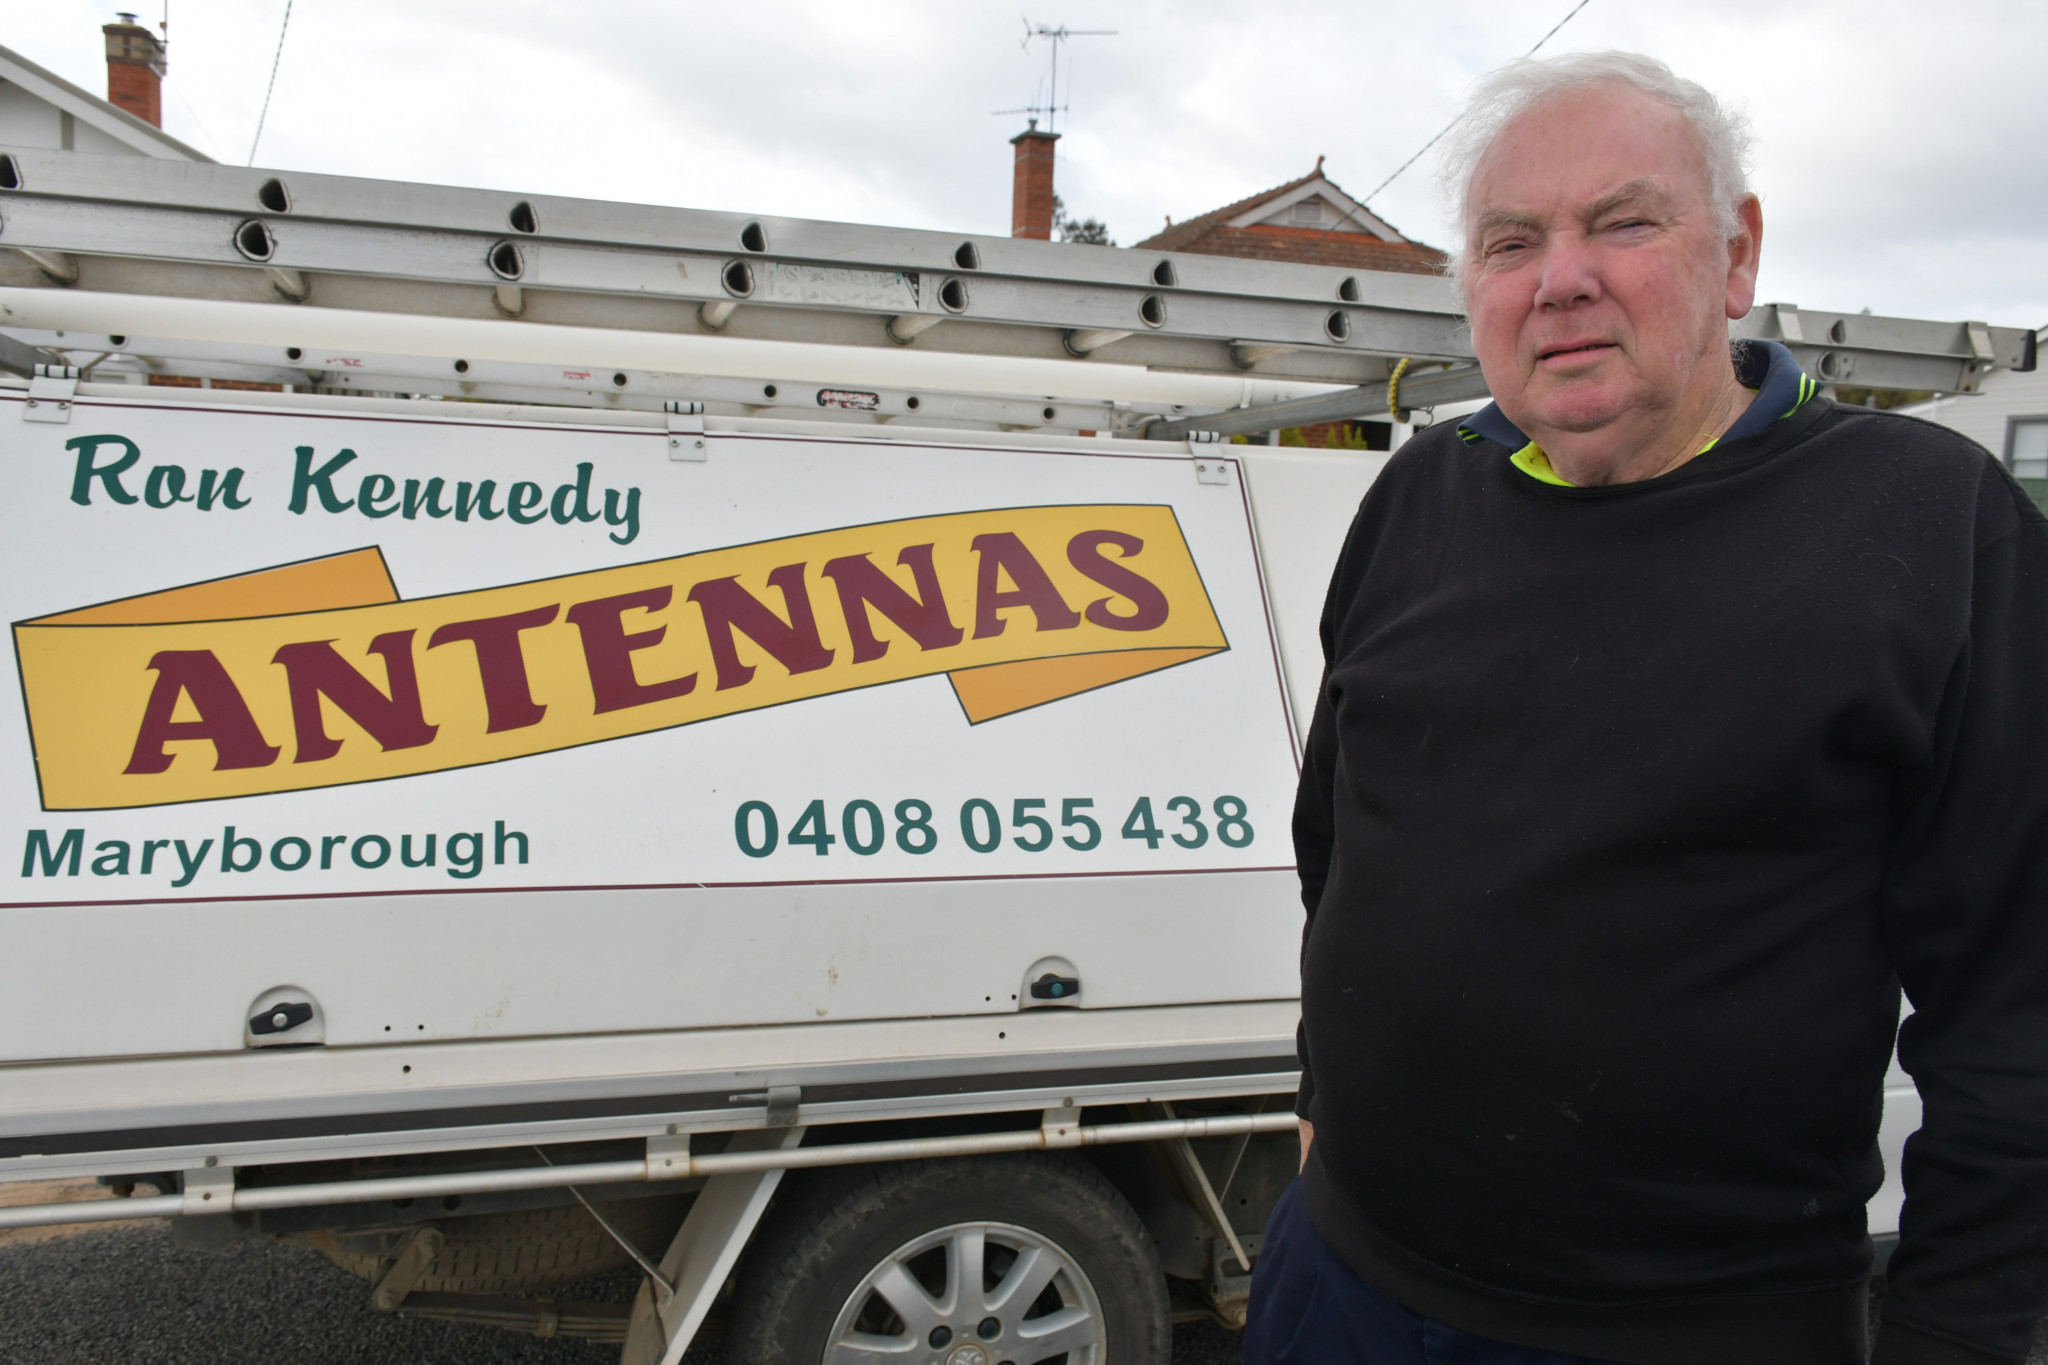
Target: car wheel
(1025, 1260)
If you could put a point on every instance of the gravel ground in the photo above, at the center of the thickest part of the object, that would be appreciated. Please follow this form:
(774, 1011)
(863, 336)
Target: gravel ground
(124, 1295)
(127, 1296)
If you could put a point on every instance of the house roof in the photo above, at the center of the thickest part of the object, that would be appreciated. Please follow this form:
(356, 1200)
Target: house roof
(123, 127)
(1311, 221)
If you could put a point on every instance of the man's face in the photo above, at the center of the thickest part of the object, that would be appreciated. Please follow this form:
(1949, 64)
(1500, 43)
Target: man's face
(1598, 282)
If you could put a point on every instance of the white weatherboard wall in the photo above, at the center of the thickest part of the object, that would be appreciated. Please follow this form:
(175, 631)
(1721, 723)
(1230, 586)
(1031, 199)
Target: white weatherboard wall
(39, 108)
(637, 908)
(26, 121)
(1986, 417)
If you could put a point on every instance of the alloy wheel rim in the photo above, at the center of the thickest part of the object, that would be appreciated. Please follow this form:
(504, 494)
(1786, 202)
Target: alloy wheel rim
(976, 1293)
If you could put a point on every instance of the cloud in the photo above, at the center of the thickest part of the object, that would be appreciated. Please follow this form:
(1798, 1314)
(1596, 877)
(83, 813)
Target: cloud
(1898, 158)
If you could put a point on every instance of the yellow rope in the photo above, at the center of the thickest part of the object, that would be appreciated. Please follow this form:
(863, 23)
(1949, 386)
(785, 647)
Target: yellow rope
(1394, 388)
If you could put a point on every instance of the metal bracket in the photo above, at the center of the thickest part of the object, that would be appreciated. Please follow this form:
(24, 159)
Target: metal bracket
(51, 391)
(60, 266)
(209, 1189)
(905, 328)
(703, 1255)
(1085, 341)
(1213, 472)
(1212, 1204)
(1788, 322)
(1981, 348)
(1062, 1127)
(1229, 1291)
(1247, 354)
(408, 1268)
(782, 1105)
(290, 284)
(686, 439)
(668, 1156)
(18, 358)
(782, 1101)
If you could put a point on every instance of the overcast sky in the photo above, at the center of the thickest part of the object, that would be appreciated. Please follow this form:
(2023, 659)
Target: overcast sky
(1901, 158)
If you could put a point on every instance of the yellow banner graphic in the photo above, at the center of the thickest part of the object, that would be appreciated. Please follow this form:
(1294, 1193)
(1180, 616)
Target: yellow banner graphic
(317, 674)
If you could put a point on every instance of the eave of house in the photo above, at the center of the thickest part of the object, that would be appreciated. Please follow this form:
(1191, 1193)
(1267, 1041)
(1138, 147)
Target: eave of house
(114, 122)
(1352, 216)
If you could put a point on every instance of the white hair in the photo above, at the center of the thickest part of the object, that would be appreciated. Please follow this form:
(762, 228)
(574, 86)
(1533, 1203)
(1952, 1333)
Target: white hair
(1506, 93)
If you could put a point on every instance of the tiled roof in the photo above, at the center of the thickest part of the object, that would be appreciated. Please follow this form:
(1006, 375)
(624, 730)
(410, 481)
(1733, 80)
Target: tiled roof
(1178, 236)
(1211, 235)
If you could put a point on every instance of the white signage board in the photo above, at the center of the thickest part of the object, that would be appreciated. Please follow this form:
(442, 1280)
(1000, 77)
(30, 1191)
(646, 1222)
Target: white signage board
(288, 691)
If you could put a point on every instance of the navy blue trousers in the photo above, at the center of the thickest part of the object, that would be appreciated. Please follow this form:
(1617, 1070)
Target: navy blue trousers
(1309, 1308)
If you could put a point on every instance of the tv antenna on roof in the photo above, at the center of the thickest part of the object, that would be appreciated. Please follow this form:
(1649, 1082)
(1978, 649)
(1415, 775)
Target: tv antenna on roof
(1054, 36)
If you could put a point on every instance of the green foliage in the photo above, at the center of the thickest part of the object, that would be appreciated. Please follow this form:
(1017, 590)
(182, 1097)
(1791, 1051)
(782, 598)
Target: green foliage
(1085, 231)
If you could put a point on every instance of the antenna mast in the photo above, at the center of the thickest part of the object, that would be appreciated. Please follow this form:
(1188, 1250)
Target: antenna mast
(1054, 35)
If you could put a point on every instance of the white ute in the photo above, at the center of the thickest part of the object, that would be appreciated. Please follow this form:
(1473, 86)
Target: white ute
(570, 735)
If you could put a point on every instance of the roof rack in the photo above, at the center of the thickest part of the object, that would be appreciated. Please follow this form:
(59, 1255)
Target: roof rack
(203, 232)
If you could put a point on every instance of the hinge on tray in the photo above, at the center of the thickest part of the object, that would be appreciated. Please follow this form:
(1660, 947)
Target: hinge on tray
(686, 440)
(50, 393)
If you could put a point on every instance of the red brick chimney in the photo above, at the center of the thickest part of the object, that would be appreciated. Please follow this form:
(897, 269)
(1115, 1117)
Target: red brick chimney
(135, 70)
(1031, 190)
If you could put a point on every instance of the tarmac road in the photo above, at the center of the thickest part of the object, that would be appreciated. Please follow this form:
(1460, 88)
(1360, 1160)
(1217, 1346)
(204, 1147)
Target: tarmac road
(125, 1295)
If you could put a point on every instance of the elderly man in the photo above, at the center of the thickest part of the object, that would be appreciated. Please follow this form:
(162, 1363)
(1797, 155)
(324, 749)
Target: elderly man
(1673, 720)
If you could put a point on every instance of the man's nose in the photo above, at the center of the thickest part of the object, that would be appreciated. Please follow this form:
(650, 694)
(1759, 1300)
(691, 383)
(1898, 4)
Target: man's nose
(1570, 275)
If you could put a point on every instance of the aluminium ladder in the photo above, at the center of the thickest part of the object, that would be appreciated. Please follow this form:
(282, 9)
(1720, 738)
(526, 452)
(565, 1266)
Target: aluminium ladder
(204, 232)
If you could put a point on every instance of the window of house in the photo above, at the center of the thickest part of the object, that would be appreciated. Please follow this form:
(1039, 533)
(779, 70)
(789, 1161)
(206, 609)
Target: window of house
(2030, 447)
(1309, 211)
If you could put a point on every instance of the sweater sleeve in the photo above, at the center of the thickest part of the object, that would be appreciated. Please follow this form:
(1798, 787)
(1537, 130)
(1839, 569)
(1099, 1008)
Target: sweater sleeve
(1965, 919)
(1314, 835)
(1314, 824)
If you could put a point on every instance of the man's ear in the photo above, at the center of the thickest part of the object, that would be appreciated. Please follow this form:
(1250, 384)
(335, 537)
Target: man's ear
(1745, 250)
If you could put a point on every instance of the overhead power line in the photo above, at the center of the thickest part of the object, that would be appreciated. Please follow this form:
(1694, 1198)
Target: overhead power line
(1556, 26)
(261, 118)
(1366, 201)
(177, 88)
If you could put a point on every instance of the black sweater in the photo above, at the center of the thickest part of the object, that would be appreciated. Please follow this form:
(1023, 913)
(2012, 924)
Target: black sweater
(1625, 813)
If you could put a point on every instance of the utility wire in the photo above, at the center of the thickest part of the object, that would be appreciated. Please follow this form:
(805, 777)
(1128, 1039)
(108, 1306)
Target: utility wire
(1556, 26)
(1362, 203)
(177, 88)
(275, 59)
